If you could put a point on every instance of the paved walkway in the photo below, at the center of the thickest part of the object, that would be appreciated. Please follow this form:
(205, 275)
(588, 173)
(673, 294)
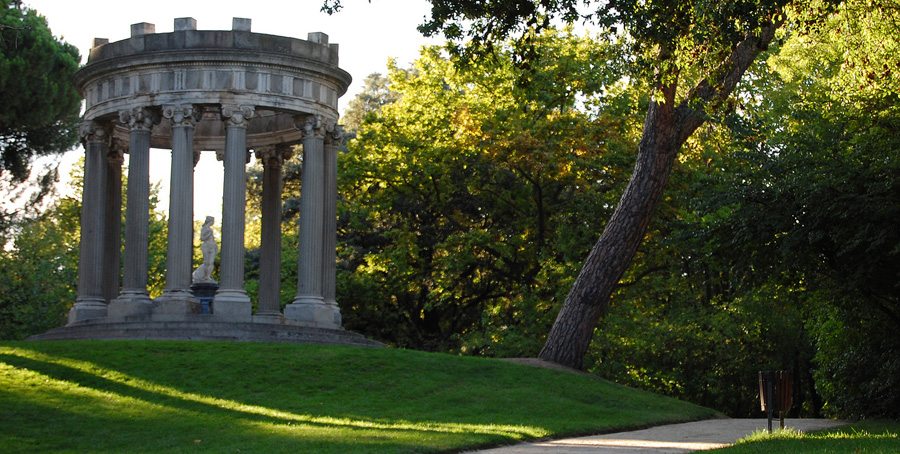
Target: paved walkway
(673, 438)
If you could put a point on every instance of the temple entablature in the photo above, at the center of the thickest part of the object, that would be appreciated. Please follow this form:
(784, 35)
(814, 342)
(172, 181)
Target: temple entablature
(280, 77)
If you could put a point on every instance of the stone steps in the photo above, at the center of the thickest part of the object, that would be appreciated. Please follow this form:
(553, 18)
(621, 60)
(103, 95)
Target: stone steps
(205, 330)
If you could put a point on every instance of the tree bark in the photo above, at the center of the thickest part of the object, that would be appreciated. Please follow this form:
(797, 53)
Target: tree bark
(666, 128)
(609, 258)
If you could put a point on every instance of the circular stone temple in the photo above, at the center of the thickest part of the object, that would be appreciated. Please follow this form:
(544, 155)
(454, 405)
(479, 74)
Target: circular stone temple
(232, 92)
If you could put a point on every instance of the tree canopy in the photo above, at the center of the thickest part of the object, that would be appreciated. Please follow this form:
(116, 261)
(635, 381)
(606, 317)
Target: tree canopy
(376, 93)
(691, 55)
(773, 246)
(40, 103)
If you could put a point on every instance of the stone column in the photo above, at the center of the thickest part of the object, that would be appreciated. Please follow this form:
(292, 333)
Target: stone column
(269, 305)
(90, 303)
(177, 299)
(133, 301)
(308, 307)
(329, 240)
(112, 233)
(231, 301)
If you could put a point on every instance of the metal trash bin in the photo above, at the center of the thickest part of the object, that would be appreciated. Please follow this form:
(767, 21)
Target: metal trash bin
(776, 394)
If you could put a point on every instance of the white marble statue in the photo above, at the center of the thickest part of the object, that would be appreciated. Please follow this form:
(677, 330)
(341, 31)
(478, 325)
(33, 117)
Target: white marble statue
(208, 247)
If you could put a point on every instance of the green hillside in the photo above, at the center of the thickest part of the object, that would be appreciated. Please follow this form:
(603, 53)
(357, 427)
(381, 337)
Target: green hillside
(143, 396)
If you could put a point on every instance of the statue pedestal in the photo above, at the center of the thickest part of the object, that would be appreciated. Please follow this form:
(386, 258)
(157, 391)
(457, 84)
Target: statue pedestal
(205, 292)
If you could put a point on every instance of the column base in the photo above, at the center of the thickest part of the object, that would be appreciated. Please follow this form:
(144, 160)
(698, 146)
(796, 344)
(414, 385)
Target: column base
(87, 309)
(130, 303)
(313, 312)
(174, 305)
(338, 319)
(232, 305)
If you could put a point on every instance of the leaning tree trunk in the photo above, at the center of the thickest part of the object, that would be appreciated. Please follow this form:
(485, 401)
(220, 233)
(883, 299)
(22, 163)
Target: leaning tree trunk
(666, 128)
(589, 297)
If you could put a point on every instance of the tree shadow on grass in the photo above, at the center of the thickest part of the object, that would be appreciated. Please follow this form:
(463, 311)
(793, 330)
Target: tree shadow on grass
(88, 375)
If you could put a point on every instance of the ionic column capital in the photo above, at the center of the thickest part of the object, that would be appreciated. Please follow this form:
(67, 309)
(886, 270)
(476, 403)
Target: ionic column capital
(186, 115)
(274, 155)
(94, 131)
(220, 156)
(116, 154)
(237, 116)
(119, 145)
(335, 136)
(139, 118)
(311, 126)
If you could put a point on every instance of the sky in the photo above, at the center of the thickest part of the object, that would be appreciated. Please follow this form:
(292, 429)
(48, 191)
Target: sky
(368, 34)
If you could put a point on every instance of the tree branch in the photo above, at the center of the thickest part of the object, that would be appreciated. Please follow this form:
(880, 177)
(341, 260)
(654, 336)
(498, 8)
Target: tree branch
(642, 275)
(692, 110)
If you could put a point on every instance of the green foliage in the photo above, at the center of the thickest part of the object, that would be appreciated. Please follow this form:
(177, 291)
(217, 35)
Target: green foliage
(376, 93)
(291, 173)
(691, 44)
(461, 197)
(825, 181)
(666, 40)
(39, 271)
(662, 335)
(40, 103)
(687, 319)
(776, 245)
(780, 250)
(446, 190)
(858, 358)
(38, 276)
(218, 396)
(798, 208)
(157, 243)
(861, 38)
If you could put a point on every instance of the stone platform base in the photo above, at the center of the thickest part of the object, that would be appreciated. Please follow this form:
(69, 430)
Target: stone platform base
(204, 330)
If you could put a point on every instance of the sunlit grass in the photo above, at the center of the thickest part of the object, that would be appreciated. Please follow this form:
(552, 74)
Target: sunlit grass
(864, 436)
(183, 396)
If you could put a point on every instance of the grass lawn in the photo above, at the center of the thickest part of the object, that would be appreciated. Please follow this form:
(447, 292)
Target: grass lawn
(149, 396)
(864, 436)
